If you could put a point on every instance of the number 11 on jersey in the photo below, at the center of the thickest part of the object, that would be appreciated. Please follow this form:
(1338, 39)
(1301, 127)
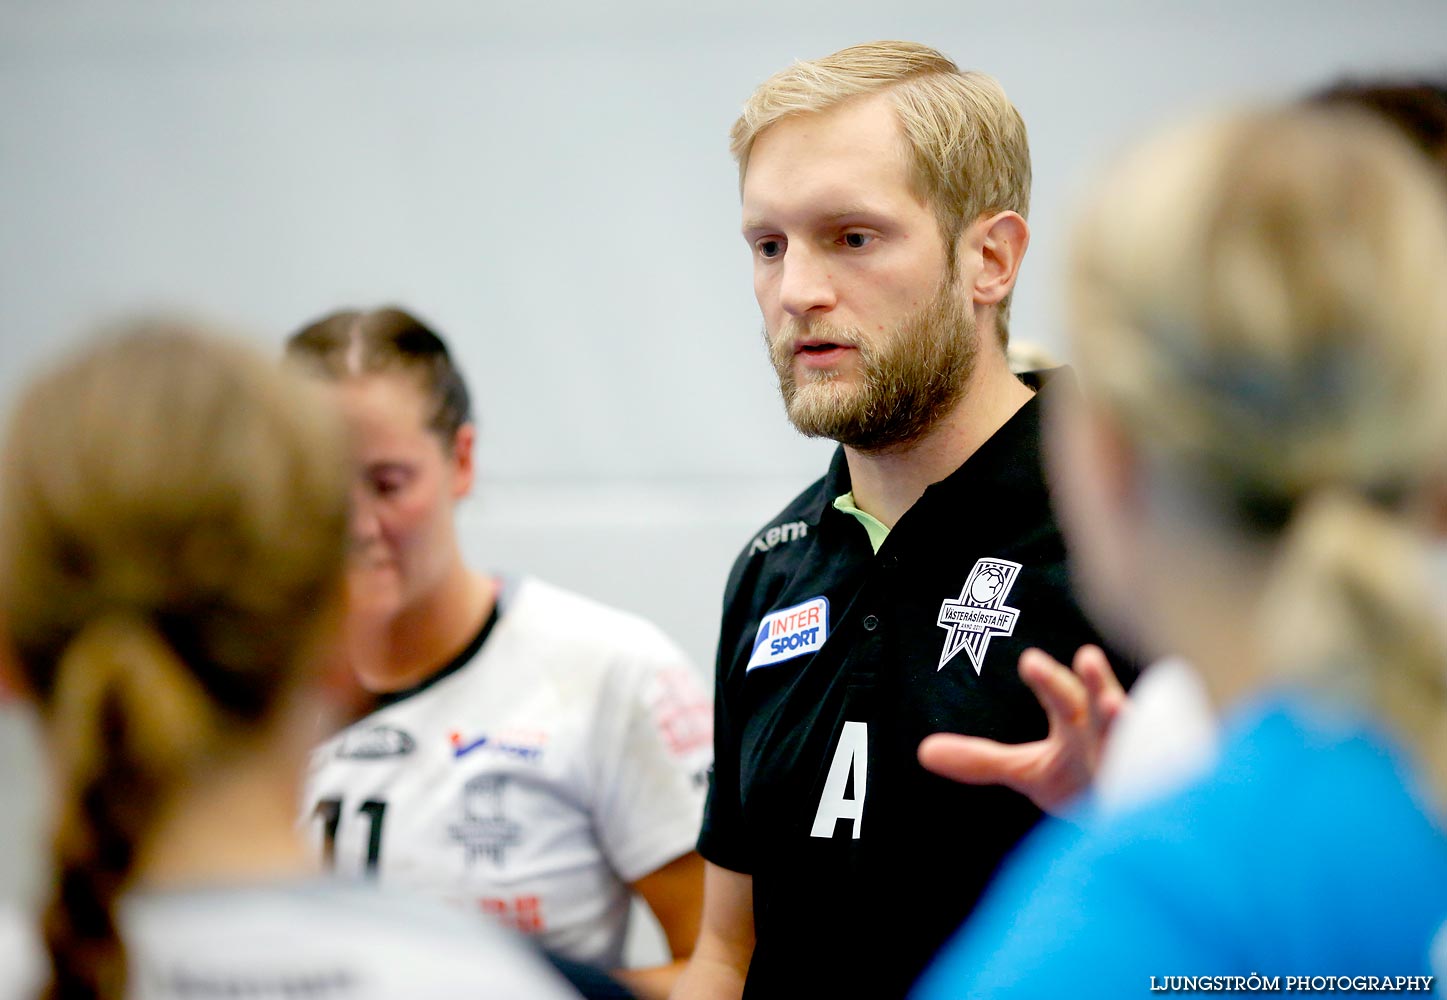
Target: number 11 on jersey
(330, 813)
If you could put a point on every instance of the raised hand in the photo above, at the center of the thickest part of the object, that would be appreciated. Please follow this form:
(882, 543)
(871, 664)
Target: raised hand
(1080, 705)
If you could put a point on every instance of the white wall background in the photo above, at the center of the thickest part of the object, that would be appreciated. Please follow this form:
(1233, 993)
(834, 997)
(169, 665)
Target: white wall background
(548, 183)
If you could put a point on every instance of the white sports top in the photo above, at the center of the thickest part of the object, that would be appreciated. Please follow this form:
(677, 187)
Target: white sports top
(561, 757)
(318, 940)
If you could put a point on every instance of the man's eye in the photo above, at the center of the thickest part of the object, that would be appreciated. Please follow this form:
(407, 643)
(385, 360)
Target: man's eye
(858, 241)
(770, 248)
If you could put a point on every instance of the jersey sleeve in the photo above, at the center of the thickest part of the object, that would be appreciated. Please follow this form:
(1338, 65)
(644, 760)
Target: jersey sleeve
(722, 838)
(652, 744)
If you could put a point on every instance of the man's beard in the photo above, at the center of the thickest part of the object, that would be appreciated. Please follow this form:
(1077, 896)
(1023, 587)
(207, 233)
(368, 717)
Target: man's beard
(908, 378)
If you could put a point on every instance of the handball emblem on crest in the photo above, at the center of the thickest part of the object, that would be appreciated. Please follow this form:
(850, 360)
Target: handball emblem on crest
(979, 613)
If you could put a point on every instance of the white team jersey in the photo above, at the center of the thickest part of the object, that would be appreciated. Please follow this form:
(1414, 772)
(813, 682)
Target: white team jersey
(324, 941)
(565, 759)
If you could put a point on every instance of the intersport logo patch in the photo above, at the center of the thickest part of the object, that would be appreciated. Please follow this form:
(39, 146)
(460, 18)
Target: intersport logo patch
(790, 632)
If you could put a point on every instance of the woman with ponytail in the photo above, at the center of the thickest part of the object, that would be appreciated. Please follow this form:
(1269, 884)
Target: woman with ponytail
(1256, 478)
(557, 748)
(173, 531)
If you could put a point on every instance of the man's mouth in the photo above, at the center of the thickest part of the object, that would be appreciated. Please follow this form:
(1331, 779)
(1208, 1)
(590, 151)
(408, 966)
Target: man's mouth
(819, 346)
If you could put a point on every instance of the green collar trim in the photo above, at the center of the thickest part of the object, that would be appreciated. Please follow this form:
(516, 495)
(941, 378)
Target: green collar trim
(872, 525)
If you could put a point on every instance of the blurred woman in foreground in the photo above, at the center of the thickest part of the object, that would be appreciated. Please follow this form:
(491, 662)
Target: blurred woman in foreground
(1255, 480)
(173, 527)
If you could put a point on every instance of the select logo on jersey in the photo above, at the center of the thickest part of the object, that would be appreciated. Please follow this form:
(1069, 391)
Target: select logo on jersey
(516, 744)
(979, 614)
(790, 632)
(375, 743)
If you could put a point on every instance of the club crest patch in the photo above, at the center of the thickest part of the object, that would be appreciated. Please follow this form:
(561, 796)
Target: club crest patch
(790, 632)
(979, 613)
(485, 830)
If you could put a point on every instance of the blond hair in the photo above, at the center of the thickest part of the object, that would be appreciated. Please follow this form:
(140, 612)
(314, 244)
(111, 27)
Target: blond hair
(1259, 301)
(969, 153)
(173, 533)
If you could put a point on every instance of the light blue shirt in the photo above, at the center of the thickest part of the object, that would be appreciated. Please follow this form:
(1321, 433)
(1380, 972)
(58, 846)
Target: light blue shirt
(1306, 852)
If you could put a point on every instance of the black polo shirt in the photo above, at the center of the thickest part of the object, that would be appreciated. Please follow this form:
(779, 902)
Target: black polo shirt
(834, 662)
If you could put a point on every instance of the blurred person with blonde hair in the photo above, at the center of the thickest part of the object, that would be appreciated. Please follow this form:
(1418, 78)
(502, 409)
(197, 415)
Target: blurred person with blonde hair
(1167, 732)
(173, 533)
(1256, 479)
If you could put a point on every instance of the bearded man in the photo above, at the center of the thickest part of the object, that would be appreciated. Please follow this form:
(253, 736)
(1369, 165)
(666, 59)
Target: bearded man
(884, 197)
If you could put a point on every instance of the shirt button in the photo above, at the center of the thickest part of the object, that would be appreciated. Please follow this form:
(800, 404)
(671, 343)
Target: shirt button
(870, 623)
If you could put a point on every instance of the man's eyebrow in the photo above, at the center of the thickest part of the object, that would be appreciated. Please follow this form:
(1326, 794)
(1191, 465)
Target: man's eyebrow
(847, 212)
(851, 211)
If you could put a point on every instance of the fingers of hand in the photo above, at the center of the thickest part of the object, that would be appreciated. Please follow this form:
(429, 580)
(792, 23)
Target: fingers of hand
(1062, 694)
(972, 760)
(1104, 693)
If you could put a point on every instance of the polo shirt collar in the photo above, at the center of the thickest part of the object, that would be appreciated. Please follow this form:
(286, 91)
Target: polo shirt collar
(1008, 465)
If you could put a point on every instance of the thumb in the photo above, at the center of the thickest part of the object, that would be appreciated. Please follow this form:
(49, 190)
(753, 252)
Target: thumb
(972, 760)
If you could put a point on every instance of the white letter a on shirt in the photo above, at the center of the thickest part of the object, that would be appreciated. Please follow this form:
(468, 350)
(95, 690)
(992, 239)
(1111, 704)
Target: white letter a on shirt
(852, 754)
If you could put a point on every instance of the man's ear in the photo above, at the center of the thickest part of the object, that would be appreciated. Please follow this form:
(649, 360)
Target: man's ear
(999, 243)
(462, 466)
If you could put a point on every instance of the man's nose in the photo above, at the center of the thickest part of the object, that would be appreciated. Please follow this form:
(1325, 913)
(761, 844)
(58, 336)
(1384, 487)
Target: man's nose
(807, 285)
